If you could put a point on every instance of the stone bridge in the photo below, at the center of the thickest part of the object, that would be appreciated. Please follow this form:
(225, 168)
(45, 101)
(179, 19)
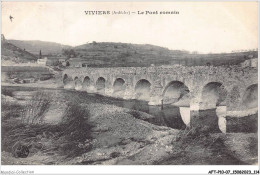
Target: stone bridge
(197, 88)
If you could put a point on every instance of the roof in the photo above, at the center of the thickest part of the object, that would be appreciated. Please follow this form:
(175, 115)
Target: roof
(77, 61)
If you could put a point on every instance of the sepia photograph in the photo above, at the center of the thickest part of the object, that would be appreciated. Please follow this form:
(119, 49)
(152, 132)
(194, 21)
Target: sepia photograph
(129, 83)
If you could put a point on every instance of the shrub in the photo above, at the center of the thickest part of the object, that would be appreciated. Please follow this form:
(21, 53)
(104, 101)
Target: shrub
(75, 131)
(70, 138)
(135, 114)
(76, 120)
(11, 109)
(188, 138)
(7, 92)
(36, 108)
(115, 154)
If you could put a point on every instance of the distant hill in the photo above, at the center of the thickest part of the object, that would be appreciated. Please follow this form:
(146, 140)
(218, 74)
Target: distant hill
(35, 46)
(10, 52)
(106, 54)
(123, 54)
(109, 54)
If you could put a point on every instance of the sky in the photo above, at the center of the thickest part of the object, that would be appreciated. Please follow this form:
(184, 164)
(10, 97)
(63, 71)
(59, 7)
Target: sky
(206, 27)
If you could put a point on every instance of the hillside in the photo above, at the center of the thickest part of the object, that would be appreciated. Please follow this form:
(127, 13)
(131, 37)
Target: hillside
(35, 46)
(122, 54)
(109, 54)
(10, 52)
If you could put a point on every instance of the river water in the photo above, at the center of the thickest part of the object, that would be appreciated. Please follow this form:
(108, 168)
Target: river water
(168, 116)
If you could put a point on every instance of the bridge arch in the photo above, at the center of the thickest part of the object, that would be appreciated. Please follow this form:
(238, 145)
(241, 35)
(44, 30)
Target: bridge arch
(68, 82)
(86, 83)
(78, 83)
(65, 78)
(213, 94)
(119, 87)
(101, 85)
(142, 90)
(250, 97)
(176, 92)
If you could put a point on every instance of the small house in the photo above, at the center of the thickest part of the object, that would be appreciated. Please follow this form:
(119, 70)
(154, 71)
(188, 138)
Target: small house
(28, 80)
(250, 63)
(62, 60)
(76, 62)
(42, 61)
(66, 63)
(254, 62)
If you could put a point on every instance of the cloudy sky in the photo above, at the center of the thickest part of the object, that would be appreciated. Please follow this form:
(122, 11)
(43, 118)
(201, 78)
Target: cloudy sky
(199, 26)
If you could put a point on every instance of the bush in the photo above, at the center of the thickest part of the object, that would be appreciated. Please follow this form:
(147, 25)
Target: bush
(20, 150)
(191, 137)
(115, 154)
(75, 131)
(36, 108)
(70, 138)
(76, 120)
(45, 78)
(7, 92)
(11, 109)
(135, 114)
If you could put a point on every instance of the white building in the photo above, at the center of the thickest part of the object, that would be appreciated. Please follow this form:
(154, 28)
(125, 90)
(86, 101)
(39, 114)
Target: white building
(254, 62)
(250, 63)
(42, 61)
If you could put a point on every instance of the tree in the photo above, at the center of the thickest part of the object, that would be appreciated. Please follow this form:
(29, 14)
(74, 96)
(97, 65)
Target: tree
(67, 63)
(40, 54)
(69, 53)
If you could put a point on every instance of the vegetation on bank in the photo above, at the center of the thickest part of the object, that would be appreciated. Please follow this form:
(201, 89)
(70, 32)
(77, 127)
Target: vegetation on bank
(193, 146)
(24, 133)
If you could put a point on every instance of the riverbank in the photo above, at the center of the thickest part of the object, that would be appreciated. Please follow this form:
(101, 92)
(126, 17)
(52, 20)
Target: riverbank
(117, 135)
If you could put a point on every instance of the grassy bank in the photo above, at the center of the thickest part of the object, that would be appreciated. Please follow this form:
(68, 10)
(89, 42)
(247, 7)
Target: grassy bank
(197, 148)
(23, 137)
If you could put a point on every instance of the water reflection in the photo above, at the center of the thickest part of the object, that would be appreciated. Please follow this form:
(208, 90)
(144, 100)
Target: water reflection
(176, 117)
(168, 116)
